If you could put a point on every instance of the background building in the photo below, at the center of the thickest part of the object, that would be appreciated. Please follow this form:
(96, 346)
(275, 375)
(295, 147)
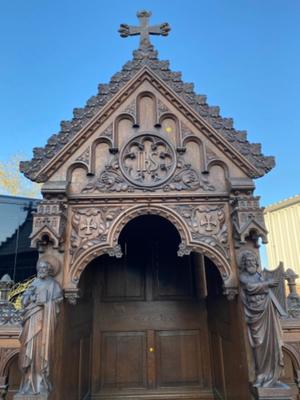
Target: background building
(283, 223)
(17, 258)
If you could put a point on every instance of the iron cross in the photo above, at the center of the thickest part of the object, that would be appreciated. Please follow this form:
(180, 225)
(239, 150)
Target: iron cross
(144, 29)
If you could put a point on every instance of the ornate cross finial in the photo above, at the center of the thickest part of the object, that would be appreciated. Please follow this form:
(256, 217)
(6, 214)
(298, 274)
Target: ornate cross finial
(144, 29)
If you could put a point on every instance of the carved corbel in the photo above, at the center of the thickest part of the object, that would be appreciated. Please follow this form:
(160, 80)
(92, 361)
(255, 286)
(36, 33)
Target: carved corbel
(115, 251)
(230, 292)
(72, 295)
(248, 220)
(184, 250)
(49, 225)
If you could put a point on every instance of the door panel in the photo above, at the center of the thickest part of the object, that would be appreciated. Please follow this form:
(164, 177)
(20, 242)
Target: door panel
(178, 358)
(123, 360)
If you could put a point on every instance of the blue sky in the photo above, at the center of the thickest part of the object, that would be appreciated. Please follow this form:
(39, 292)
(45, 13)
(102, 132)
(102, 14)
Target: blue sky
(243, 54)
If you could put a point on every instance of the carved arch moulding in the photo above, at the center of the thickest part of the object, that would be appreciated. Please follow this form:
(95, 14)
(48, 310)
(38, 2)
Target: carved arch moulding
(95, 231)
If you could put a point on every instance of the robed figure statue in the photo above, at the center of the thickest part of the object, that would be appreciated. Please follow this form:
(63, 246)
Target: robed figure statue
(262, 317)
(40, 302)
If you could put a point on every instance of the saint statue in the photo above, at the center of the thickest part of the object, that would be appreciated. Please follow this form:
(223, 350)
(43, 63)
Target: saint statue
(262, 317)
(40, 302)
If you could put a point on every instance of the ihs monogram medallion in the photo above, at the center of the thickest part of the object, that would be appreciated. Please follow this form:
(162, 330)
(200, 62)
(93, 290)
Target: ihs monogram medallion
(148, 160)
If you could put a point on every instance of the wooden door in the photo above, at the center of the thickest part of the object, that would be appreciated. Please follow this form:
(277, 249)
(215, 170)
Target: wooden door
(151, 327)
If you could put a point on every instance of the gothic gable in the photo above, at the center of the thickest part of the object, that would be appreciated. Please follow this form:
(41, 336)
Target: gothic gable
(146, 65)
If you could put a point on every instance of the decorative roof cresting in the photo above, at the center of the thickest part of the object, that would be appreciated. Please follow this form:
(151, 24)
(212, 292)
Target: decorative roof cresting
(147, 56)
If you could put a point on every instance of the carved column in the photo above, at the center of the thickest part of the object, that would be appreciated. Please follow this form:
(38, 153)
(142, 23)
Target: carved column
(293, 299)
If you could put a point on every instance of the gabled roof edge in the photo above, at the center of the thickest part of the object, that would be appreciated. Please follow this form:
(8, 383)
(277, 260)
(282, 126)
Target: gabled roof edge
(145, 56)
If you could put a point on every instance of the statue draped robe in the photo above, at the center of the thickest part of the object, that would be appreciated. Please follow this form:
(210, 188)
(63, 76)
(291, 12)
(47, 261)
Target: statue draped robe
(39, 322)
(264, 329)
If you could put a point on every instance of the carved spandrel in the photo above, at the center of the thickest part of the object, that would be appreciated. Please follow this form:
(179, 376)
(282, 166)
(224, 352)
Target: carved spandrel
(90, 226)
(161, 108)
(85, 157)
(188, 178)
(131, 109)
(108, 132)
(207, 225)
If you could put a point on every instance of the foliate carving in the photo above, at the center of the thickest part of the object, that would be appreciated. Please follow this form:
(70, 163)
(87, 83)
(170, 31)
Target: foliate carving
(131, 109)
(187, 178)
(185, 131)
(85, 157)
(161, 108)
(147, 160)
(49, 224)
(109, 180)
(108, 132)
(115, 251)
(210, 155)
(248, 219)
(207, 224)
(90, 226)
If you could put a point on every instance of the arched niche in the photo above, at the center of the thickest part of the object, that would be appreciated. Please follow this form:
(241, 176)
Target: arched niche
(219, 174)
(194, 152)
(170, 127)
(146, 111)
(100, 155)
(123, 129)
(9, 368)
(152, 297)
(76, 177)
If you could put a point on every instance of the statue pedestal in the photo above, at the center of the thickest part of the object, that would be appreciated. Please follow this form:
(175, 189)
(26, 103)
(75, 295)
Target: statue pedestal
(274, 393)
(20, 396)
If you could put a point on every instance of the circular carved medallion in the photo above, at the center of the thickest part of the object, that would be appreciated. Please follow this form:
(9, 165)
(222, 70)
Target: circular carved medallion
(148, 160)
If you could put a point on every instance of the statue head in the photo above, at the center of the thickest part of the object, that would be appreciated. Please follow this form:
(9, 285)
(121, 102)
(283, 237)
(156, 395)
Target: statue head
(248, 262)
(44, 269)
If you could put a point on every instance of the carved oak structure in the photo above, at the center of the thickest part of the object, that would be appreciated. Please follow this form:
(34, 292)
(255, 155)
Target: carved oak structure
(148, 204)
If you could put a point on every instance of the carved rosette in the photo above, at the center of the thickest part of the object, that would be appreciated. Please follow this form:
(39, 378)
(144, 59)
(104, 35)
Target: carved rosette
(248, 220)
(49, 225)
(207, 225)
(90, 227)
(147, 160)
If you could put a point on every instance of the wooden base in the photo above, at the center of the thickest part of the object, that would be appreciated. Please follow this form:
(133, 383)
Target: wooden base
(276, 393)
(166, 394)
(20, 396)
